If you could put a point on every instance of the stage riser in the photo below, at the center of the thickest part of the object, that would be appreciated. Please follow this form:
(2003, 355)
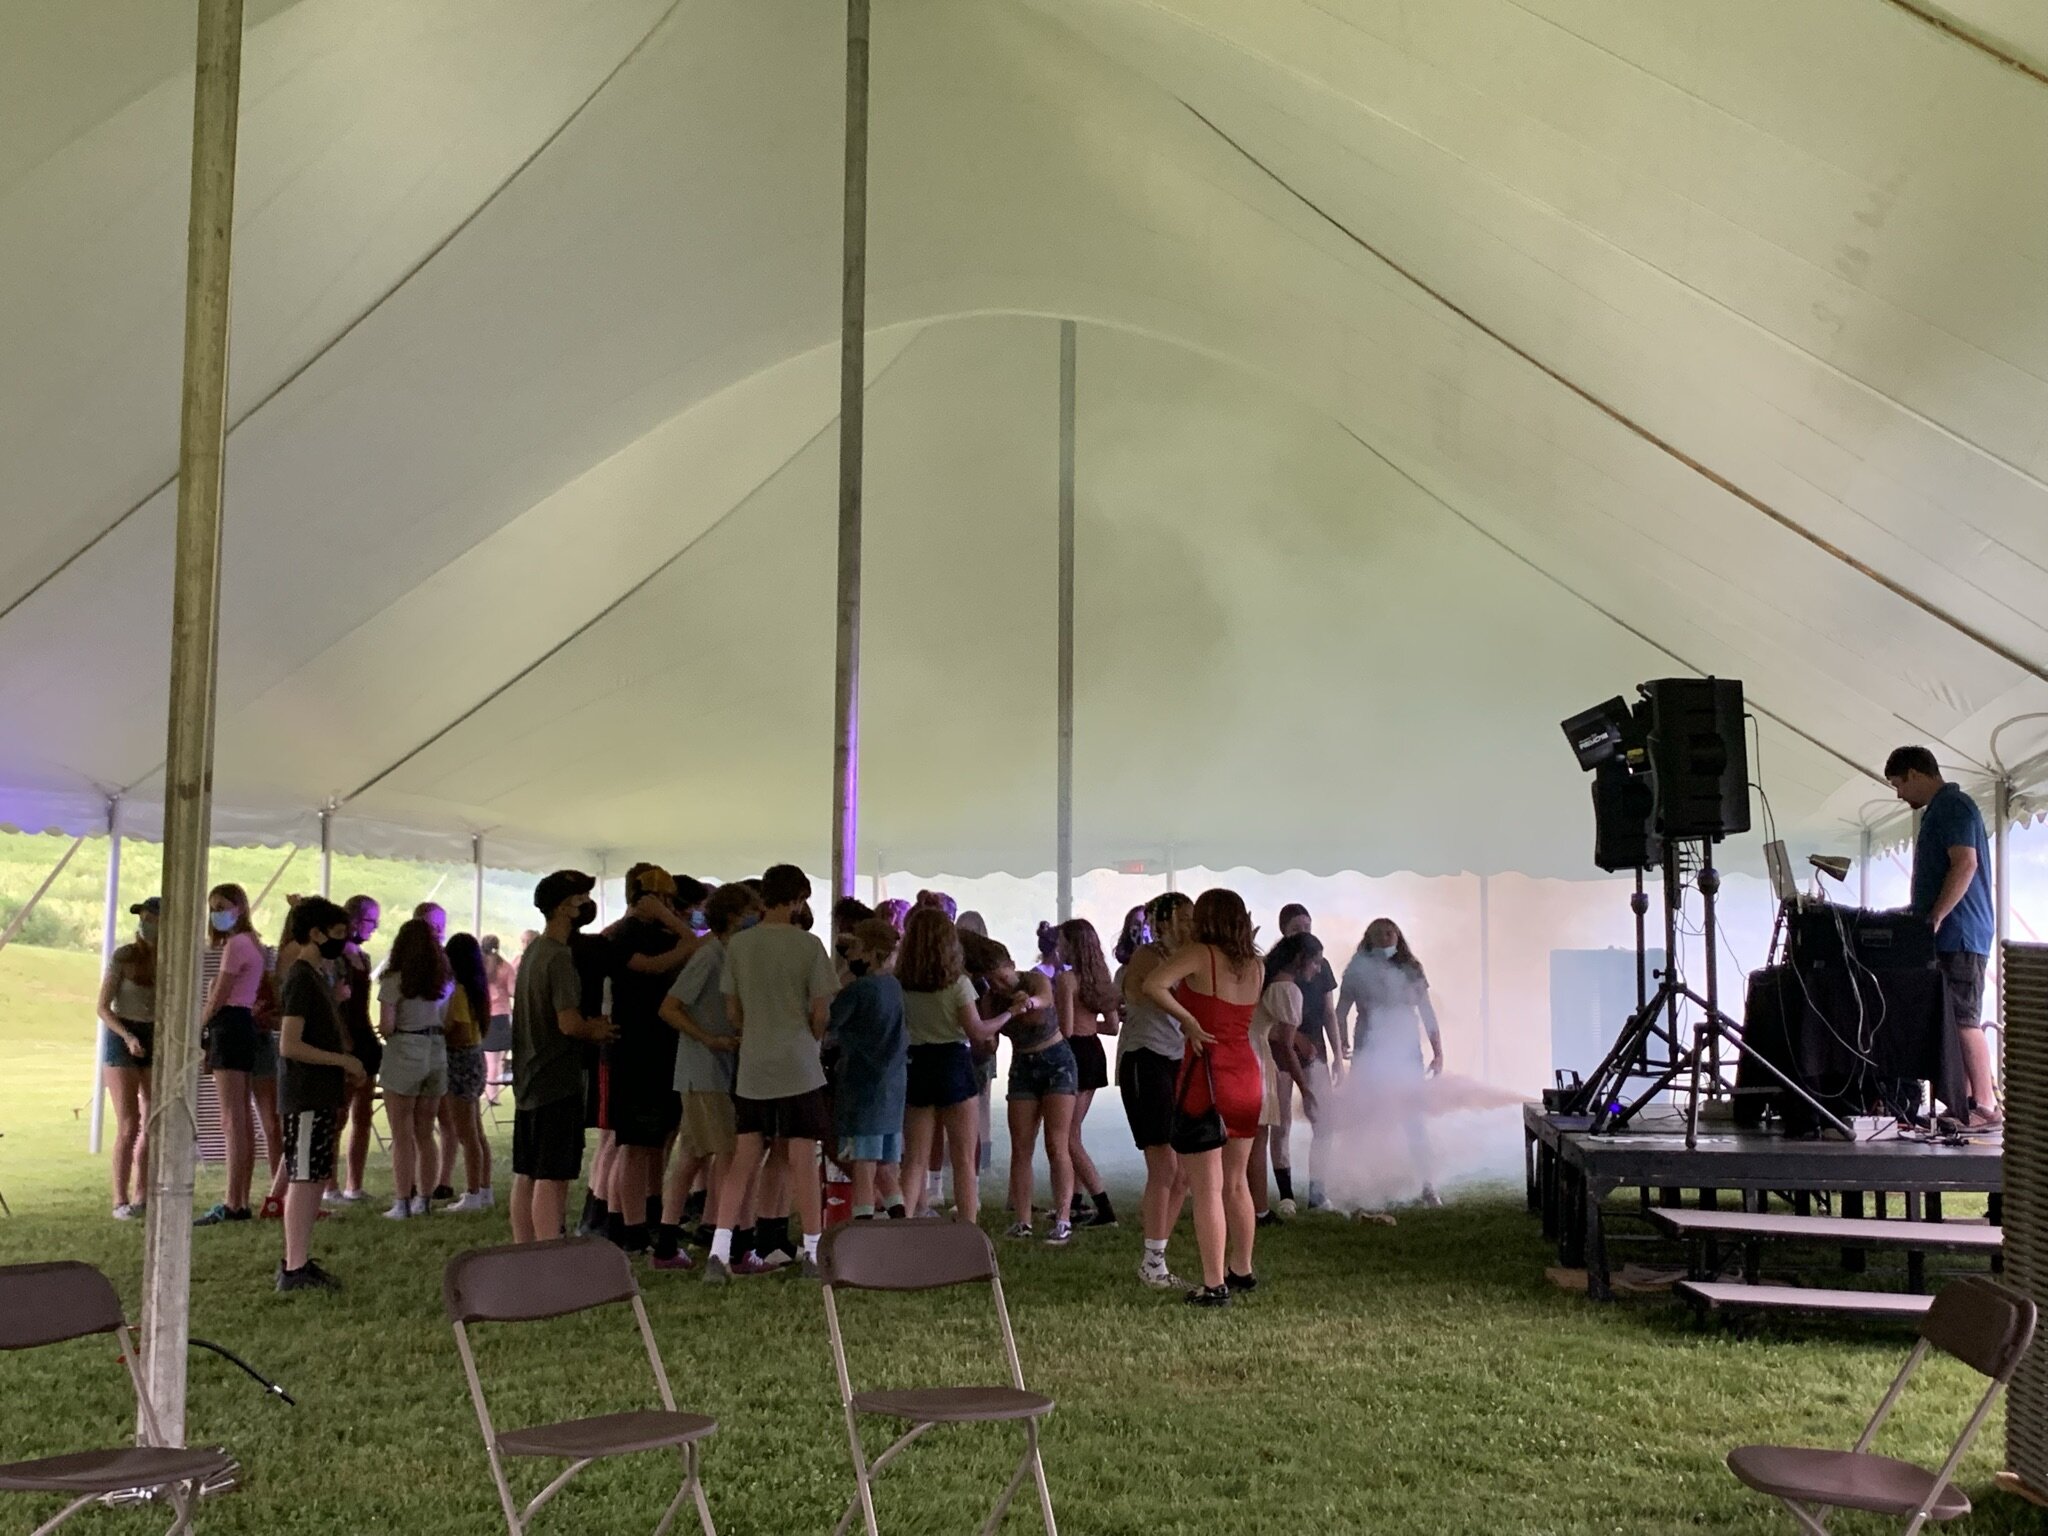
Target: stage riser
(2025, 1013)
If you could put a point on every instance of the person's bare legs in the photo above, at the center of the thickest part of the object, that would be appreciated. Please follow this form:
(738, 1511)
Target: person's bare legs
(522, 1208)
(426, 1111)
(675, 1190)
(963, 1139)
(1025, 1117)
(448, 1125)
(1256, 1174)
(301, 1210)
(264, 1091)
(550, 1200)
(1087, 1178)
(124, 1088)
(362, 1105)
(861, 1174)
(917, 1151)
(1240, 1216)
(889, 1183)
(1205, 1179)
(231, 1090)
(802, 1189)
(732, 1201)
(631, 1182)
(1062, 1135)
(398, 1113)
(469, 1135)
(1978, 1068)
(1166, 1191)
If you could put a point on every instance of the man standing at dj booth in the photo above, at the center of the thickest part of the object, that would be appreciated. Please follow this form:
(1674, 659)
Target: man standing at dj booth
(1952, 890)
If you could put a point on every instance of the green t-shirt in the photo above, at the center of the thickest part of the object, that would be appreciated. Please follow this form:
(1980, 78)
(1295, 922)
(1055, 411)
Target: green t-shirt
(934, 1017)
(547, 1065)
(777, 971)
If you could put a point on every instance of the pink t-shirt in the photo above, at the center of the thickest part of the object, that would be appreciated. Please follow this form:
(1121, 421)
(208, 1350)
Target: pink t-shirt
(241, 974)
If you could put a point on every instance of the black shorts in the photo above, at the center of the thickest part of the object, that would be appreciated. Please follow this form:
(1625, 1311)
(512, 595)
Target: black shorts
(1148, 1082)
(1093, 1064)
(800, 1117)
(310, 1137)
(547, 1142)
(231, 1041)
(499, 1036)
(941, 1076)
(369, 1050)
(1962, 975)
(115, 1053)
(642, 1113)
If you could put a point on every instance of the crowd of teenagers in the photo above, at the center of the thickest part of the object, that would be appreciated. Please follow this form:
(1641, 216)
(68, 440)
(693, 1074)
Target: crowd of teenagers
(718, 1047)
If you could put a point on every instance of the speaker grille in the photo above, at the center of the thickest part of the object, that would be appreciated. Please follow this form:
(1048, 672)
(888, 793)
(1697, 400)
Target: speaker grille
(2026, 1194)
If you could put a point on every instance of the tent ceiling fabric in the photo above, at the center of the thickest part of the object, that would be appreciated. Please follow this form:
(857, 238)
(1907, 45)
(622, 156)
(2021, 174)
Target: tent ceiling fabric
(1420, 347)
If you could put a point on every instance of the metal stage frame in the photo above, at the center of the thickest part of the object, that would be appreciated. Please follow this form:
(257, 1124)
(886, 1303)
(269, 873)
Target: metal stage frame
(1571, 1171)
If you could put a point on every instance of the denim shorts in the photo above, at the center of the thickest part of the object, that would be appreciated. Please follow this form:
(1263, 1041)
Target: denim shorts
(1045, 1074)
(881, 1148)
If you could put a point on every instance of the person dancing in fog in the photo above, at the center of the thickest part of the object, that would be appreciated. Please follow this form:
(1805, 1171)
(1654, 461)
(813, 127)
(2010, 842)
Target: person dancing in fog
(1212, 988)
(1276, 1027)
(1042, 1078)
(1089, 1008)
(1149, 1053)
(1387, 990)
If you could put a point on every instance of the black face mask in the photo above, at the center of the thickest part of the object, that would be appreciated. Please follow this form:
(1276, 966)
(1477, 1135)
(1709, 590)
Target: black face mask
(585, 914)
(858, 967)
(330, 949)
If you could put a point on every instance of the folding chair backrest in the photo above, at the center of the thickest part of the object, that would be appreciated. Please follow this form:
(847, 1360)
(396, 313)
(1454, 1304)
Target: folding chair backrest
(1983, 1324)
(905, 1255)
(48, 1303)
(523, 1282)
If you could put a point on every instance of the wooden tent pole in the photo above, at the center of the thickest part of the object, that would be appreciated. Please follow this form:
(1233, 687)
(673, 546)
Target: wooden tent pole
(852, 435)
(188, 774)
(1065, 838)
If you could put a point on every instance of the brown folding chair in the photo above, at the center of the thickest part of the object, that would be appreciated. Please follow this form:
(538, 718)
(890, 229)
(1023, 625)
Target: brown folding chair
(522, 1283)
(1985, 1325)
(925, 1256)
(48, 1304)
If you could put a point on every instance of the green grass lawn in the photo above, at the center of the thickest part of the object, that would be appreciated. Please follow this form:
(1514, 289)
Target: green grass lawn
(1425, 1378)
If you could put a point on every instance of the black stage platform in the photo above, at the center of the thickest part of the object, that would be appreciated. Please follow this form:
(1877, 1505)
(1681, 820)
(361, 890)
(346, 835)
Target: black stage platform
(1571, 1172)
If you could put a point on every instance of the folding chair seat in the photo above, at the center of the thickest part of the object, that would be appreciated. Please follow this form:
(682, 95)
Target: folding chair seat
(924, 1256)
(525, 1283)
(50, 1304)
(1985, 1325)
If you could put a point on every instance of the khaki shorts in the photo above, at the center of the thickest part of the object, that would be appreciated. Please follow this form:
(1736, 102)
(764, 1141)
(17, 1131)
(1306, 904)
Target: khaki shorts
(708, 1127)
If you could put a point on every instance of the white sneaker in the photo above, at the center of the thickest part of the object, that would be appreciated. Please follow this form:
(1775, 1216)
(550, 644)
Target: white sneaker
(420, 1206)
(1155, 1274)
(332, 1197)
(353, 1196)
(1061, 1234)
(1287, 1206)
(126, 1212)
(400, 1209)
(471, 1203)
(490, 1197)
(775, 1258)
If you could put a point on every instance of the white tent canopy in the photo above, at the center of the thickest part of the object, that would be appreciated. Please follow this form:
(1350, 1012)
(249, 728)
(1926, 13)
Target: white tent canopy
(1442, 370)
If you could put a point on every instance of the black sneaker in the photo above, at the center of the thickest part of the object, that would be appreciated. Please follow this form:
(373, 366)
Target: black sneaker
(311, 1278)
(1239, 1283)
(443, 1192)
(1268, 1219)
(1209, 1296)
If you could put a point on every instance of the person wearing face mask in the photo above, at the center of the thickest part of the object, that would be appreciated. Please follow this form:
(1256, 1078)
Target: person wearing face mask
(316, 1068)
(866, 1022)
(352, 988)
(1388, 992)
(127, 1011)
(230, 1039)
(549, 1028)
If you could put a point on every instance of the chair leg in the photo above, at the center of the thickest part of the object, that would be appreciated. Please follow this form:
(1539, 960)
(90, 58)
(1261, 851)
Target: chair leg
(1815, 1523)
(995, 1518)
(63, 1514)
(1038, 1474)
(697, 1493)
(184, 1499)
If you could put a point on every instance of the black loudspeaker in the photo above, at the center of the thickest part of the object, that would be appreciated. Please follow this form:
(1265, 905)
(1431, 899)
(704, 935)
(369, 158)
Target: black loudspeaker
(1624, 811)
(1699, 756)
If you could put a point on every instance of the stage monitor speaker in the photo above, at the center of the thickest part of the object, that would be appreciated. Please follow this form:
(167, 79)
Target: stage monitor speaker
(1699, 756)
(1624, 806)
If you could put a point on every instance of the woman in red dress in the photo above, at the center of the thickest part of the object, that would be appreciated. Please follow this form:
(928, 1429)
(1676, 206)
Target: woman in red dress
(1211, 987)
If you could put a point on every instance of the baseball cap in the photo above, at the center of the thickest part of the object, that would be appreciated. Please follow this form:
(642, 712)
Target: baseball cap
(557, 888)
(150, 904)
(656, 881)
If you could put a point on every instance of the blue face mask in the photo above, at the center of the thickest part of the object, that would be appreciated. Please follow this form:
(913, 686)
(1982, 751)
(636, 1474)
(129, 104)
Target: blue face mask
(224, 922)
(750, 919)
(1387, 951)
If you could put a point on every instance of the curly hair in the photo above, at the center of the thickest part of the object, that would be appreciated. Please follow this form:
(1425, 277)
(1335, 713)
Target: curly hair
(1291, 953)
(931, 960)
(1162, 909)
(1222, 922)
(1132, 937)
(416, 958)
(1091, 972)
(728, 904)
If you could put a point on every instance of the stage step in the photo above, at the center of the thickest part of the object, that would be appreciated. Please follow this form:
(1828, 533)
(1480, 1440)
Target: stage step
(1716, 1296)
(1845, 1231)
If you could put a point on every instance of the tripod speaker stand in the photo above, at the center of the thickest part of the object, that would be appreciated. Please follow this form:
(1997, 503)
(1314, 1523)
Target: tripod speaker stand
(1650, 1049)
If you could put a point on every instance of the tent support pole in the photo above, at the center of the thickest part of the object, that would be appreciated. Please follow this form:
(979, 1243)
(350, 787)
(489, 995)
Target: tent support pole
(110, 939)
(290, 854)
(15, 923)
(327, 853)
(1863, 871)
(1066, 622)
(852, 439)
(1485, 979)
(2001, 892)
(603, 874)
(476, 905)
(188, 773)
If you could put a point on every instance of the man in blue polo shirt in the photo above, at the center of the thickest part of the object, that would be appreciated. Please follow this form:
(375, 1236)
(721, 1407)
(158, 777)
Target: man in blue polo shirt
(1952, 890)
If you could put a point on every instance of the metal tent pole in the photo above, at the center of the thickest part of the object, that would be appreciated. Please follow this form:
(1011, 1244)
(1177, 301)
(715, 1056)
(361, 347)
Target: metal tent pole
(2001, 893)
(188, 771)
(327, 853)
(110, 939)
(1485, 979)
(1863, 871)
(476, 906)
(852, 434)
(1066, 626)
